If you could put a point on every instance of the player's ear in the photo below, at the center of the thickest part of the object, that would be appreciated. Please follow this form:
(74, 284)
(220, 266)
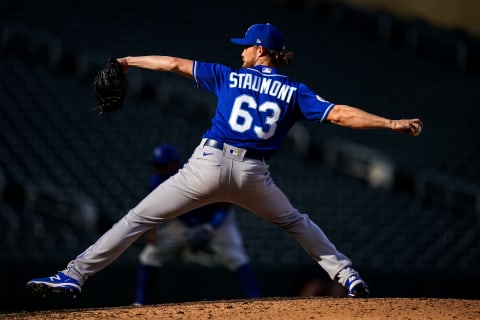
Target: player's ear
(261, 51)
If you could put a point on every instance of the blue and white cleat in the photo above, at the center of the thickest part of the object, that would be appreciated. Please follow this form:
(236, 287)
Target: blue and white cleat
(59, 283)
(357, 288)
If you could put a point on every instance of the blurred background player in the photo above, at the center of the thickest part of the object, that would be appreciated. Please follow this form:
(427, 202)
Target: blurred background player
(208, 236)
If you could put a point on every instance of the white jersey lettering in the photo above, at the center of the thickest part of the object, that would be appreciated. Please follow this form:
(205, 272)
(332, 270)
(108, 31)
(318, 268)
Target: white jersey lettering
(262, 85)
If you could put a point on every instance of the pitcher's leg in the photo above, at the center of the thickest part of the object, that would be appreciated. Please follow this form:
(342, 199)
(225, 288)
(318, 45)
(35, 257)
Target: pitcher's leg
(260, 195)
(108, 247)
(309, 236)
(170, 199)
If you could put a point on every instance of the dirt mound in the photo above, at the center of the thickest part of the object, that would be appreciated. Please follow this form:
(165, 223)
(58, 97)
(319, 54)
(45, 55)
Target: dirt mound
(277, 309)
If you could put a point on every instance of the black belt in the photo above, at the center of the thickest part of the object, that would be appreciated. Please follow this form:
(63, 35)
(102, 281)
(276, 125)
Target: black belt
(252, 154)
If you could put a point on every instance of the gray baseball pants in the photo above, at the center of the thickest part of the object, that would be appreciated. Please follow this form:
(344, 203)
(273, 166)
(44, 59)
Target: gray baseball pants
(212, 175)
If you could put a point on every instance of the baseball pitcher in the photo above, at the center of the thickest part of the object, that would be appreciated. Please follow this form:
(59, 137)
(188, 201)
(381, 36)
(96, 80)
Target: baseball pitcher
(256, 107)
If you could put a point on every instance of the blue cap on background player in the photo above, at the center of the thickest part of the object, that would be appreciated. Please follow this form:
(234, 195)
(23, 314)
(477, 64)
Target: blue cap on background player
(164, 154)
(265, 35)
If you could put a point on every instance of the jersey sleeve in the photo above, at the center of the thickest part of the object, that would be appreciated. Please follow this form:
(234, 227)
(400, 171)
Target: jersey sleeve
(209, 76)
(312, 106)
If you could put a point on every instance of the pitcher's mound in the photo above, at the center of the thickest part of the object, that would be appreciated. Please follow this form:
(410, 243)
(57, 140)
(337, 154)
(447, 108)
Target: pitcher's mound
(277, 309)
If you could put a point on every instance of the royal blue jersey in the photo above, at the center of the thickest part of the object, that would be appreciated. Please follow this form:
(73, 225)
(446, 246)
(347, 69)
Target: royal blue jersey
(256, 106)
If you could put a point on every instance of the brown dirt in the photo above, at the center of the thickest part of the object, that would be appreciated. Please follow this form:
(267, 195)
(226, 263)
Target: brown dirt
(277, 309)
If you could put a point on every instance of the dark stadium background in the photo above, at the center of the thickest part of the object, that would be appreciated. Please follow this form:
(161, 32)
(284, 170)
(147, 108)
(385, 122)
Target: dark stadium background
(406, 210)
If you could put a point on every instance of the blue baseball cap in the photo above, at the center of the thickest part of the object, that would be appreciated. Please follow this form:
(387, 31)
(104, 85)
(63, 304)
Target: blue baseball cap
(164, 154)
(265, 35)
